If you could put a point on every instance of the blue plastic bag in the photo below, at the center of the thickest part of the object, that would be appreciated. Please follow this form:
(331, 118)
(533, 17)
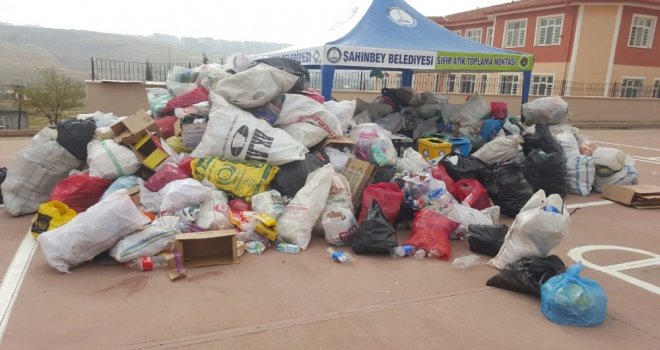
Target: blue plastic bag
(490, 128)
(122, 182)
(573, 300)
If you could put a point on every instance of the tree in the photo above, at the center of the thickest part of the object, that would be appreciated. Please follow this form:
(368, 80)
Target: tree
(53, 94)
(205, 59)
(148, 74)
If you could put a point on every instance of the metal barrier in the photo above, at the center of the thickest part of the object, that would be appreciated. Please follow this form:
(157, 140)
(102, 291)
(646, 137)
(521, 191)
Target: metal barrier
(106, 69)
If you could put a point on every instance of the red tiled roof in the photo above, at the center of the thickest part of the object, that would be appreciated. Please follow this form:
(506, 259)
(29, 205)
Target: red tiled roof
(482, 13)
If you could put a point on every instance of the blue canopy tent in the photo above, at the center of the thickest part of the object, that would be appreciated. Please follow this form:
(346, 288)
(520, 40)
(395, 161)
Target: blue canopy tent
(391, 35)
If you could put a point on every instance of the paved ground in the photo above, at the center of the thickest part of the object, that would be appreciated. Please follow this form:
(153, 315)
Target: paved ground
(305, 301)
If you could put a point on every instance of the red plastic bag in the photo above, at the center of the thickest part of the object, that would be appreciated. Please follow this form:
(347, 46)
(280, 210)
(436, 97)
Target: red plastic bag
(473, 194)
(440, 173)
(430, 231)
(166, 125)
(389, 197)
(237, 204)
(80, 191)
(165, 174)
(499, 110)
(188, 99)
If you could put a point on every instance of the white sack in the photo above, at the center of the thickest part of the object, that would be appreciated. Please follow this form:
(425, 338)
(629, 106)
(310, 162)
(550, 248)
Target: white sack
(296, 222)
(338, 197)
(580, 172)
(612, 158)
(499, 149)
(148, 199)
(339, 226)
(110, 160)
(92, 231)
(549, 110)
(337, 158)
(35, 171)
(566, 140)
(234, 134)
(269, 202)
(181, 80)
(308, 134)
(179, 194)
(535, 231)
(255, 86)
(214, 212)
(344, 110)
(159, 236)
(300, 108)
(412, 161)
(626, 176)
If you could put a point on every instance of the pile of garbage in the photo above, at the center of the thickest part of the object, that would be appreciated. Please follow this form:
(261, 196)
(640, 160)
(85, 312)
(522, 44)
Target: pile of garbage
(234, 159)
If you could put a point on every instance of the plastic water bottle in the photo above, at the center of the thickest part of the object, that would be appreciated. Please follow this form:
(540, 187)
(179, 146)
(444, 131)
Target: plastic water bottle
(466, 261)
(420, 254)
(339, 256)
(148, 263)
(404, 250)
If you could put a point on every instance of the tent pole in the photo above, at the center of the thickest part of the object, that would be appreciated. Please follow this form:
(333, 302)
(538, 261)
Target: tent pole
(327, 78)
(406, 78)
(527, 79)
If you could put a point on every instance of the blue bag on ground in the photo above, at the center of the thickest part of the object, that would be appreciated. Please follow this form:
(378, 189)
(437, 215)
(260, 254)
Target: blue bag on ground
(573, 300)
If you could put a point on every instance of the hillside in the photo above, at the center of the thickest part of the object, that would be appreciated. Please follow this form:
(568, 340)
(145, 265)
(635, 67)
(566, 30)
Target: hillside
(23, 49)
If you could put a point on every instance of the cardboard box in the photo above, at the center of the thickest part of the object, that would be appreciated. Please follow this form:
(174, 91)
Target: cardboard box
(149, 151)
(191, 134)
(207, 248)
(358, 173)
(134, 127)
(105, 133)
(636, 196)
(340, 141)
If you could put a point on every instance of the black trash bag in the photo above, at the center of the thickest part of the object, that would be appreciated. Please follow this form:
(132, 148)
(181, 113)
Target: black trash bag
(402, 97)
(463, 167)
(292, 176)
(486, 239)
(375, 235)
(507, 187)
(528, 274)
(546, 171)
(3, 175)
(541, 139)
(384, 173)
(289, 66)
(75, 134)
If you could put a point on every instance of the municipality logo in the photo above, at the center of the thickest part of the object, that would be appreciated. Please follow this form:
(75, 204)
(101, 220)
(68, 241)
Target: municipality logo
(524, 62)
(333, 55)
(401, 17)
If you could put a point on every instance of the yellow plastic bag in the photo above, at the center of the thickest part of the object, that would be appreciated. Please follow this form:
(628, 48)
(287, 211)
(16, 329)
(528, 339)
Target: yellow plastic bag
(261, 223)
(241, 180)
(51, 215)
(176, 142)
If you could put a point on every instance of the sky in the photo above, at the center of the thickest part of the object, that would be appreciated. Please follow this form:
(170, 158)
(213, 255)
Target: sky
(283, 21)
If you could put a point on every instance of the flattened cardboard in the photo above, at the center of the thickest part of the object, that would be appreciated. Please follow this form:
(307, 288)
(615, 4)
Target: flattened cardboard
(358, 173)
(637, 196)
(340, 141)
(131, 129)
(208, 248)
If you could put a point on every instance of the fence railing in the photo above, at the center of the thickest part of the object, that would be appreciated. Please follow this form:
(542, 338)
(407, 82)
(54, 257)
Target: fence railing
(106, 69)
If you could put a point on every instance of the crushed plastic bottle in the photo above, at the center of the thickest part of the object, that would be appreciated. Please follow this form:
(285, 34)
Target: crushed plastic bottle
(404, 250)
(339, 256)
(420, 254)
(148, 263)
(288, 248)
(466, 261)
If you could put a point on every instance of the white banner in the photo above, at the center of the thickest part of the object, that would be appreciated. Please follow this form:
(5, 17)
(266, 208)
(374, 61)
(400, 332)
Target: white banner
(308, 56)
(380, 58)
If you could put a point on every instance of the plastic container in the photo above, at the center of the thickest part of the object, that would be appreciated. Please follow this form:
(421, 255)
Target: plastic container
(460, 145)
(339, 256)
(420, 254)
(288, 248)
(404, 250)
(433, 147)
(466, 261)
(148, 263)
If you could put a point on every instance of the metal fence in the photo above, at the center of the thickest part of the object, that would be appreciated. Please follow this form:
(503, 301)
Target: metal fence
(106, 69)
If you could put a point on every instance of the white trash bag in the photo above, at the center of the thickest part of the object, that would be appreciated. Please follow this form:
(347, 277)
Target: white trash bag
(300, 108)
(179, 194)
(214, 212)
(269, 202)
(537, 229)
(580, 172)
(255, 86)
(236, 135)
(159, 236)
(339, 226)
(499, 149)
(308, 134)
(296, 222)
(548, 110)
(92, 231)
(110, 160)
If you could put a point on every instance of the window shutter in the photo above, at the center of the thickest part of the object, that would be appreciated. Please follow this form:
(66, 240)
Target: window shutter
(541, 38)
(557, 34)
(521, 38)
(633, 34)
(509, 38)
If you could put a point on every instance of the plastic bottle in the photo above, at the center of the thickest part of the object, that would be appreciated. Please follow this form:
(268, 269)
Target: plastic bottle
(288, 248)
(148, 263)
(404, 250)
(339, 256)
(466, 261)
(420, 254)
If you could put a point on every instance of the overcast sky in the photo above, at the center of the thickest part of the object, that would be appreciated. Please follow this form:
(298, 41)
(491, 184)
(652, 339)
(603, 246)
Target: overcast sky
(284, 21)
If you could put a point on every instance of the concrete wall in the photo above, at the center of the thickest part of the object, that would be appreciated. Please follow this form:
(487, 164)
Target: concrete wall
(126, 98)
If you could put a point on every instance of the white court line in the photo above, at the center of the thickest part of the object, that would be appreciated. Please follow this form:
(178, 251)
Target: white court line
(588, 204)
(13, 279)
(620, 144)
(645, 160)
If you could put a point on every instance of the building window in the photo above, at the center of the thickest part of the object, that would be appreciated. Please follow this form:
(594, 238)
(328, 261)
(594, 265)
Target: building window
(514, 35)
(473, 34)
(489, 36)
(508, 85)
(631, 87)
(4, 123)
(483, 84)
(656, 88)
(542, 85)
(549, 30)
(451, 82)
(641, 32)
(467, 83)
